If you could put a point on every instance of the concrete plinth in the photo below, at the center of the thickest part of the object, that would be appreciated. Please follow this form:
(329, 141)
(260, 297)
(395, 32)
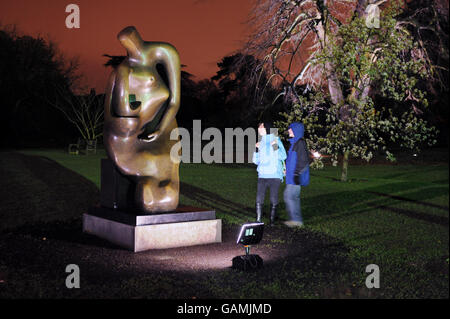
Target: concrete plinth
(136, 236)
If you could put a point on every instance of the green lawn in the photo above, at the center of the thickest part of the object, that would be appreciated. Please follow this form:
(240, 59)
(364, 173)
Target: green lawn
(395, 216)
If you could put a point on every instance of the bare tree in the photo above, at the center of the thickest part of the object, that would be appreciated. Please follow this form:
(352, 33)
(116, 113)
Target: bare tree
(85, 112)
(300, 44)
(288, 35)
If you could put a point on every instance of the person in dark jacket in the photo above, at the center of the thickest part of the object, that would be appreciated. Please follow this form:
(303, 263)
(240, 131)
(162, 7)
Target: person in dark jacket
(297, 163)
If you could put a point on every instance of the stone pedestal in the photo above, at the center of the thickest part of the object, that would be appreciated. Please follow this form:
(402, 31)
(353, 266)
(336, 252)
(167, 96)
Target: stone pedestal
(186, 226)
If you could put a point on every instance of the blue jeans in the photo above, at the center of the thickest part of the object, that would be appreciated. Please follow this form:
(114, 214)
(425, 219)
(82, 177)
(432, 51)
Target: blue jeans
(292, 200)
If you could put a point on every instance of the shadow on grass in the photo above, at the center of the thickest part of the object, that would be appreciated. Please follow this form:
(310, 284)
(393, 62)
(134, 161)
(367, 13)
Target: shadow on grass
(379, 197)
(69, 231)
(35, 188)
(213, 200)
(434, 219)
(411, 173)
(439, 191)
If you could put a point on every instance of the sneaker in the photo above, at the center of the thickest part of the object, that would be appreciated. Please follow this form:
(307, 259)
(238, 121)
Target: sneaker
(292, 223)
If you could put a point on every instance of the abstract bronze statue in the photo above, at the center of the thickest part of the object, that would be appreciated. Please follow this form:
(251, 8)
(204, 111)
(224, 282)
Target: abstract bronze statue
(142, 99)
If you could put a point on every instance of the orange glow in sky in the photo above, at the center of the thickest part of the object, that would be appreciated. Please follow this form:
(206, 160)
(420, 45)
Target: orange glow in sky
(203, 31)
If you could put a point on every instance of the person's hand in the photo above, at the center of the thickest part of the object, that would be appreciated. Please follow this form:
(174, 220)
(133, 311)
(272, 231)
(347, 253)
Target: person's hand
(297, 179)
(257, 145)
(274, 144)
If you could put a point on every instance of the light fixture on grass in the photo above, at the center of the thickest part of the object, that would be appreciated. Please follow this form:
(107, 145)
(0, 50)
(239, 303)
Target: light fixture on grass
(250, 234)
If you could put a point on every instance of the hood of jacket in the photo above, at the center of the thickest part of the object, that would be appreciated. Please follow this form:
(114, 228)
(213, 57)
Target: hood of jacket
(298, 130)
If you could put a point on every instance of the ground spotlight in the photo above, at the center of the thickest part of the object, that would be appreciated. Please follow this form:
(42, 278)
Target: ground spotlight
(250, 234)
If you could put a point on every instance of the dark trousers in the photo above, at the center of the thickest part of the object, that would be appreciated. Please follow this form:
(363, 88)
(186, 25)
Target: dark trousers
(273, 184)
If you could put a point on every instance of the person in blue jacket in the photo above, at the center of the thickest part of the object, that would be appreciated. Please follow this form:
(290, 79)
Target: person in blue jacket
(269, 156)
(297, 173)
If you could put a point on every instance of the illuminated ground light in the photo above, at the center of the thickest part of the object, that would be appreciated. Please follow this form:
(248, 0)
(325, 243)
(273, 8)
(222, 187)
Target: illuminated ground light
(217, 256)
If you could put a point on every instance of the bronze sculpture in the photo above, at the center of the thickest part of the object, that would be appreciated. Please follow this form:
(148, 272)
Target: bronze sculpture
(142, 99)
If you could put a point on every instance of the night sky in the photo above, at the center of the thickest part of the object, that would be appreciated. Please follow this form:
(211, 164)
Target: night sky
(203, 31)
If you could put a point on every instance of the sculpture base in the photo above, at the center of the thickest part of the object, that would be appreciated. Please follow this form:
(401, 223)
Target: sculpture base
(159, 231)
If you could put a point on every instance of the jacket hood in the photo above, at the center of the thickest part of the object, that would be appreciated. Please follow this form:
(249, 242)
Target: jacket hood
(298, 130)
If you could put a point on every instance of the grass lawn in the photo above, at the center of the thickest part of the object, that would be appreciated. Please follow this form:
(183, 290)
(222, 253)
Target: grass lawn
(394, 216)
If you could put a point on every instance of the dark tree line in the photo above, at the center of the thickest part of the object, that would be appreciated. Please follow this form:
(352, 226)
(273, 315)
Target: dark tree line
(29, 69)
